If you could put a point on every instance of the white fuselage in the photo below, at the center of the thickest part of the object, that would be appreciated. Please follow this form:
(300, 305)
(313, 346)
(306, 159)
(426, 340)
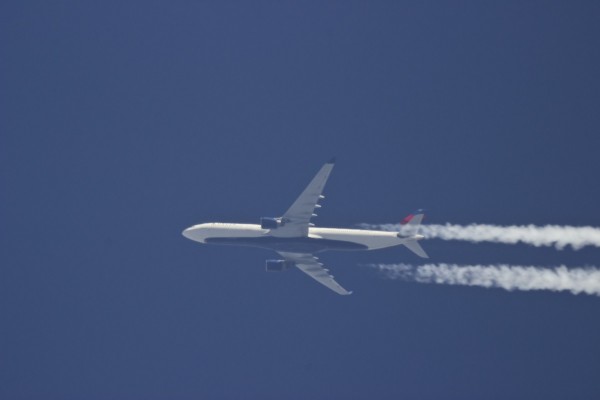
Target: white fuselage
(319, 239)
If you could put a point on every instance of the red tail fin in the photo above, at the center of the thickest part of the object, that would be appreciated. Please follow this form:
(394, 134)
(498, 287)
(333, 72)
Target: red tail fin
(419, 213)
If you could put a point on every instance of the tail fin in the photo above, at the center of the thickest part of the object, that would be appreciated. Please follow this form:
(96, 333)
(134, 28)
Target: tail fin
(410, 231)
(412, 221)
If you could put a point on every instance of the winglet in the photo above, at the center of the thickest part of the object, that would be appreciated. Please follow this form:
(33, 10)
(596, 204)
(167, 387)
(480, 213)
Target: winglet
(332, 161)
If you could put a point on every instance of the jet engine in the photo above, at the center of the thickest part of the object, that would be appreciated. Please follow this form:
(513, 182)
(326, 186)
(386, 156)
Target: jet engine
(278, 265)
(271, 223)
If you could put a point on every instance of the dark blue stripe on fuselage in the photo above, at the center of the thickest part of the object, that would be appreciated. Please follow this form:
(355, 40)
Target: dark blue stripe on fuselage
(292, 245)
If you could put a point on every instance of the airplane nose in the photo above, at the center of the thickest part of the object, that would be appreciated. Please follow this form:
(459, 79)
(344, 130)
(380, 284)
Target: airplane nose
(187, 232)
(197, 233)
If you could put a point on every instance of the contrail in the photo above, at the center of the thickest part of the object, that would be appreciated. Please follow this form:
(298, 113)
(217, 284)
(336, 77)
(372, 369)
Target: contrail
(549, 235)
(508, 277)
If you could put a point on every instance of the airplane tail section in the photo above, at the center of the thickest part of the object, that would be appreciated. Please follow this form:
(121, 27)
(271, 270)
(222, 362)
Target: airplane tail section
(410, 224)
(410, 232)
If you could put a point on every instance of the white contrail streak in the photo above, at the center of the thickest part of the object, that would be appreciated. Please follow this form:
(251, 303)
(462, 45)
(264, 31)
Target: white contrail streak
(508, 277)
(549, 235)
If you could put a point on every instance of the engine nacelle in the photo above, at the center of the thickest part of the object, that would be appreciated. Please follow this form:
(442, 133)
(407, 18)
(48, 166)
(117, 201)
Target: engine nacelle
(278, 265)
(271, 223)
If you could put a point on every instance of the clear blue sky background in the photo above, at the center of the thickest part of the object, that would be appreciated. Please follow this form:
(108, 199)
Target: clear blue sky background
(122, 123)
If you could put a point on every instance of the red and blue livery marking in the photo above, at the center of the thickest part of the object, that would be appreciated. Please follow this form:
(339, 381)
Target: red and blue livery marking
(410, 216)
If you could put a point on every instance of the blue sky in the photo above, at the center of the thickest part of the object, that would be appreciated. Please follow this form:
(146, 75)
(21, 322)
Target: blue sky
(125, 122)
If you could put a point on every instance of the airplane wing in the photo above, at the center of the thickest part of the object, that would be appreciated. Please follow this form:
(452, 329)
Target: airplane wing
(297, 217)
(310, 265)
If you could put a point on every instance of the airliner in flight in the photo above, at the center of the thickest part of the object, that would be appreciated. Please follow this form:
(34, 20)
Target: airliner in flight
(297, 240)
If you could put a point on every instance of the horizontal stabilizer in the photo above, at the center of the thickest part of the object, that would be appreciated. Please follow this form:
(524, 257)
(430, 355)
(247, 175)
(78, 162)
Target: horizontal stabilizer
(416, 248)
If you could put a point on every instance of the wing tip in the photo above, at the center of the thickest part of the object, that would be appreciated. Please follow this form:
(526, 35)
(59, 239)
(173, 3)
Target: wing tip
(331, 161)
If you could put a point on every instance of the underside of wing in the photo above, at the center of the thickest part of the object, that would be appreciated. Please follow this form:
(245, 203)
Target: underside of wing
(310, 265)
(296, 219)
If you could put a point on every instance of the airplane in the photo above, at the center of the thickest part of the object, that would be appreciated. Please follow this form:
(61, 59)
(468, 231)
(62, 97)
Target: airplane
(297, 240)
